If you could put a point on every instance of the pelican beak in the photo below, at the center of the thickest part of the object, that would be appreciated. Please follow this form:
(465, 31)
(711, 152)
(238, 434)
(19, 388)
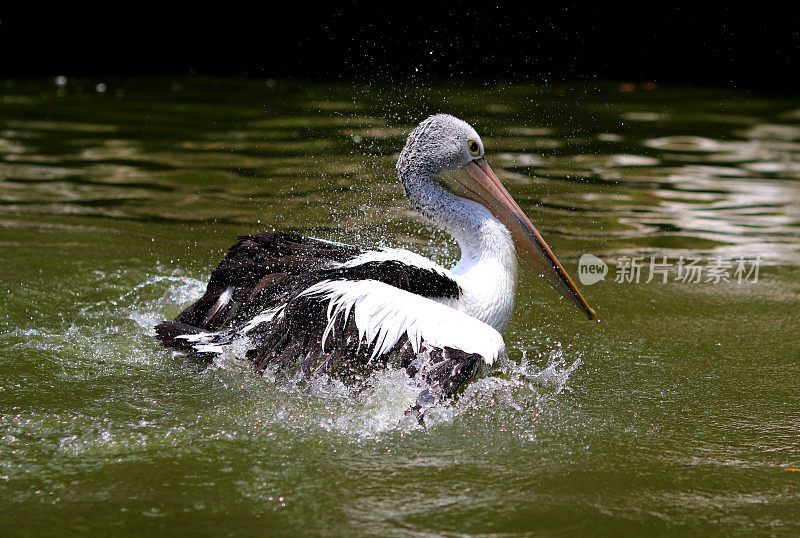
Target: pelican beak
(478, 182)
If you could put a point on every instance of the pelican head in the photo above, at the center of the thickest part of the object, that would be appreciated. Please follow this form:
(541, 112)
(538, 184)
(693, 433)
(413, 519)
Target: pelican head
(447, 152)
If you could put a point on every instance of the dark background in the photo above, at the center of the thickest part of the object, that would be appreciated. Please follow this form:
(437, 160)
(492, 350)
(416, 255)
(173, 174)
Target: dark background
(752, 46)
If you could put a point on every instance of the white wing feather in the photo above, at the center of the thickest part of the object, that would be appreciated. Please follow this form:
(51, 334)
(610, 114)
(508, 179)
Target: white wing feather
(383, 313)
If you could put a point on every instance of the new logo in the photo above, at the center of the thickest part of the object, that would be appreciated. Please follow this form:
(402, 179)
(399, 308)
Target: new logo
(591, 269)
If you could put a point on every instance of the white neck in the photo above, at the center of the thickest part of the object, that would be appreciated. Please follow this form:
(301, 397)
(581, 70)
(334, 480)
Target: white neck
(487, 270)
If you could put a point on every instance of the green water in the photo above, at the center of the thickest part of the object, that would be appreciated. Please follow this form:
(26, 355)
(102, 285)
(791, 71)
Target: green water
(678, 413)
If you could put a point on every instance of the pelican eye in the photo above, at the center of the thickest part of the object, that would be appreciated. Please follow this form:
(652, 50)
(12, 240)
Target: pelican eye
(474, 148)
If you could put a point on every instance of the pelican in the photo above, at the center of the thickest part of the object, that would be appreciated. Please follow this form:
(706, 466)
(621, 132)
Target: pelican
(318, 305)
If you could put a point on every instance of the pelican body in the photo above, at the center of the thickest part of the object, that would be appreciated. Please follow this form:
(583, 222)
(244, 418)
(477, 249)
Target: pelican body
(317, 305)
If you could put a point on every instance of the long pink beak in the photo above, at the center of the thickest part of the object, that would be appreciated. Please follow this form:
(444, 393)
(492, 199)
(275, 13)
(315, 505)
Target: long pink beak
(485, 188)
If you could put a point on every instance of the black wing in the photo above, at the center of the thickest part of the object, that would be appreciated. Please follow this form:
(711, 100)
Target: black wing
(270, 269)
(256, 268)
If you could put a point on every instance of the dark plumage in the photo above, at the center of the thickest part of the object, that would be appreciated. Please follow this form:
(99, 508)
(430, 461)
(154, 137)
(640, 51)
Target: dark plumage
(271, 270)
(259, 269)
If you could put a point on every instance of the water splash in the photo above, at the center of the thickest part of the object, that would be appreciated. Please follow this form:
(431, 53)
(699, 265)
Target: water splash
(365, 408)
